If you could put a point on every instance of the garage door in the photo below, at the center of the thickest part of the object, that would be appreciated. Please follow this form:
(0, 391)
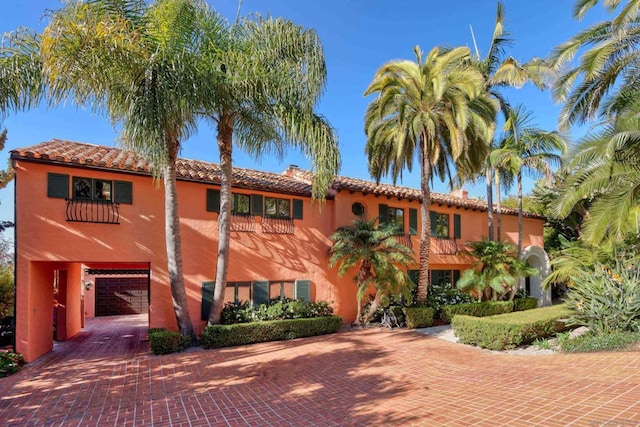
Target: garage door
(118, 296)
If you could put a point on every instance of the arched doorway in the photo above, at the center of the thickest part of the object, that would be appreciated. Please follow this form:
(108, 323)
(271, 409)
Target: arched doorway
(536, 257)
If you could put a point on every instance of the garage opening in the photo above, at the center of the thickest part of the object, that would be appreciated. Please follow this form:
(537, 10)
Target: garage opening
(120, 292)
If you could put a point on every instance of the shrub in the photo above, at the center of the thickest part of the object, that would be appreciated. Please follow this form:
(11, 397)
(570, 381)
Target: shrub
(163, 341)
(590, 342)
(441, 295)
(476, 309)
(7, 290)
(418, 317)
(512, 329)
(216, 336)
(527, 303)
(10, 363)
(607, 300)
(243, 312)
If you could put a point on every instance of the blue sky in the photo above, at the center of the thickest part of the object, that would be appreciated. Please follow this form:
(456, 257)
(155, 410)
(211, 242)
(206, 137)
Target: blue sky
(358, 36)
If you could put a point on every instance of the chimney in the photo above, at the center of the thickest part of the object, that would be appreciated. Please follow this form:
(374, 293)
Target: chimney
(460, 193)
(292, 170)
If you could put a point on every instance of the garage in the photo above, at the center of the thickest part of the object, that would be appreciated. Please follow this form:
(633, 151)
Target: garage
(116, 296)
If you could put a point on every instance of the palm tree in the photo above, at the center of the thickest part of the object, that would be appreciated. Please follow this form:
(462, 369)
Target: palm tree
(381, 260)
(269, 76)
(138, 63)
(435, 110)
(496, 267)
(527, 148)
(606, 79)
(500, 72)
(605, 168)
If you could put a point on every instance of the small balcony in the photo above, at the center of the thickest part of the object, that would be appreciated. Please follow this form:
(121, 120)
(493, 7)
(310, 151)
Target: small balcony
(277, 225)
(243, 223)
(443, 246)
(404, 239)
(94, 211)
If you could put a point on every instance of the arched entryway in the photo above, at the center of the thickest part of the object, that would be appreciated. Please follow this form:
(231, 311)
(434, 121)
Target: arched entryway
(536, 257)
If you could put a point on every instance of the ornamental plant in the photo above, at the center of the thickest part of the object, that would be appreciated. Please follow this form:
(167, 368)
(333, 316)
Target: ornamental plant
(606, 301)
(10, 363)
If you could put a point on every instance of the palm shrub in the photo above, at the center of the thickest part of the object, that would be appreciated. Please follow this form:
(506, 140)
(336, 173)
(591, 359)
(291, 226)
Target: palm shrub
(607, 300)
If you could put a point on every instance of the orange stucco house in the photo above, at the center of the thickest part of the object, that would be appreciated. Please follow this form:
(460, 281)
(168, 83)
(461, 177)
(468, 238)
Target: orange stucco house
(90, 237)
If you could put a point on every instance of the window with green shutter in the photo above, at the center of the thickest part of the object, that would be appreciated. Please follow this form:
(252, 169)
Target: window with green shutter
(213, 200)
(256, 204)
(297, 208)
(57, 186)
(123, 192)
(439, 224)
(260, 293)
(391, 215)
(413, 221)
(207, 299)
(457, 230)
(303, 290)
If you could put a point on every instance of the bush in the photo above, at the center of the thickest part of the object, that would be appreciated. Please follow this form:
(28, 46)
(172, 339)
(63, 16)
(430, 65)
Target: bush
(527, 303)
(441, 295)
(590, 342)
(476, 309)
(607, 300)
(216, 336)
(287, 308)
(163, 341)
(10, 363)
(418, 317)
(512, 329)
(7, 291)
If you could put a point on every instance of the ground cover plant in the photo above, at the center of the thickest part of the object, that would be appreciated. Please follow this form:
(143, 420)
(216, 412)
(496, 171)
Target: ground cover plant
(10, 363)
(591, 342)
(509, 330)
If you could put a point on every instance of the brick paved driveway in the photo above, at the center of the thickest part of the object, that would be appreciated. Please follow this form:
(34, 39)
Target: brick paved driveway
(106, 376)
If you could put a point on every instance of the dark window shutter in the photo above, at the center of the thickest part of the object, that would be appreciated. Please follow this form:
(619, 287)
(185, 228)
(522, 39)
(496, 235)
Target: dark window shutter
(303, 290)
(260, 293)
(436, 277)
(297, 208)
(123, 192)
(434, 226)
(457, 231)
(383, 213)
(456, 277)
(413, 221)
(207, 299)
(256, 204)
(213, 200)
(57, 186)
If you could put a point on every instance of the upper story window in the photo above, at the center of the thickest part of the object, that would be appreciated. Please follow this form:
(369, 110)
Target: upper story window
(441, 226)
(241, 204)
(277, 208)
(89, 188)
(396, 217)
(92, 189)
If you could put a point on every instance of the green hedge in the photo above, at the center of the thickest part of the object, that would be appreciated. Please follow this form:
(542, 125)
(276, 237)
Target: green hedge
(216, 336)
(510, 330)
(418, 317)
(476, 309)
(528, 303)
(163, 341)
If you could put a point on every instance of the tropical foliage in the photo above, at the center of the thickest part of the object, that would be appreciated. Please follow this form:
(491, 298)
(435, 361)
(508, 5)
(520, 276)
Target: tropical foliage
(436, 110)
(380, 261)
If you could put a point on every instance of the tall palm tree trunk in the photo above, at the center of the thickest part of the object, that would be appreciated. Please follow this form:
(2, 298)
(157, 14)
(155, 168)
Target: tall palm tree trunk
(489, 179)
(174, 244)
(425, 233)
(498, 209)
(520, 213)
(225, 135)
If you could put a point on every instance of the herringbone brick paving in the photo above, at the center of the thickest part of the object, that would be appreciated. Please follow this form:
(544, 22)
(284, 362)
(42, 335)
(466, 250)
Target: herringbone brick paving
(107, 377)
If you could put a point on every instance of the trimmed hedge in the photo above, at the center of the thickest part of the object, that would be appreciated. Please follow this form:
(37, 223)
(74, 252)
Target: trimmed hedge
(528, 303)
(163, 341)
(512, 329)
(476, 309)
(418, 317)
(216, 336)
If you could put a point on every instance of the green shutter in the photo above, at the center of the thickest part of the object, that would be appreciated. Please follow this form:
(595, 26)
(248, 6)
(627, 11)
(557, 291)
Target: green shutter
(434, 225)
(57, 186)
(256, 204)
(297, 208)
(303, 290)
(207, 299)
(123, 192)
(457, 232)
(213, 200)
(456, 277)
(436, 277)
(383, 213)
(260, 293)
(413, 221)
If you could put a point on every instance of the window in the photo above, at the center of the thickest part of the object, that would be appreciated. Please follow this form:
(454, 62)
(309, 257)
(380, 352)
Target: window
(241, 204)
(439, 225)
(391, 215)
(277, 208)
(447, 278)
(91, 189)
(238, 292)
(357, 208)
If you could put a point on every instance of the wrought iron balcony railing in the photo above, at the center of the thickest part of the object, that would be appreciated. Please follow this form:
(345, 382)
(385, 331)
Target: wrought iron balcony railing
(243, 223)
(404, 239)
(96, 211)
(277, 225)
(443, 246)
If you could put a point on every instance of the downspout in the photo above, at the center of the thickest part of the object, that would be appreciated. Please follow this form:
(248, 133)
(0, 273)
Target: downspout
(15, 255)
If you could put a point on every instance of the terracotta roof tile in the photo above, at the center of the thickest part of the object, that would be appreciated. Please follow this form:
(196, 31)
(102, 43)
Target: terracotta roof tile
(293, 181)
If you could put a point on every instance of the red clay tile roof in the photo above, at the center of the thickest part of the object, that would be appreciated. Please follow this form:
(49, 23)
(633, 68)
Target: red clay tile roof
(294, 181)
